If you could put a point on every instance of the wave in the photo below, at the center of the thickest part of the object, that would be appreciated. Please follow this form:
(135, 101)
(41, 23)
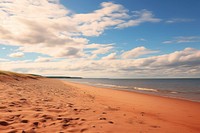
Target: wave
(126, 87)
(110, 85)
(135, 88)
(85, 82)
(130, 88)
(145, 89)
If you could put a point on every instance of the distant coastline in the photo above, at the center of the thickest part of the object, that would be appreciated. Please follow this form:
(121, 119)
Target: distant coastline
(63, 77)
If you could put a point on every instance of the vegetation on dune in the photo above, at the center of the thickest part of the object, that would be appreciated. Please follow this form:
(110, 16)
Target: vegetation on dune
(20, 75)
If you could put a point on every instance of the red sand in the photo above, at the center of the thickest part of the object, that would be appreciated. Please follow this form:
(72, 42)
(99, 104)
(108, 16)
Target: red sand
(50, 106)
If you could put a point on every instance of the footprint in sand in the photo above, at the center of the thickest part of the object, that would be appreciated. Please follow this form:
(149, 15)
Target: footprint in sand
(65, 125)
(43, 120)
(102, 118)
(155, 126)
(141, 122)
(22, 99)
(24, 121)
(3, 107)
(111, 122)
(12, 117)
(84, 129)
(36, 124)
(59, 118)
(142, 113)
(9, 110)
(4, 123)
(83, 119)
(70, 105)
(12, 104)
(48, 117)
(38, 109)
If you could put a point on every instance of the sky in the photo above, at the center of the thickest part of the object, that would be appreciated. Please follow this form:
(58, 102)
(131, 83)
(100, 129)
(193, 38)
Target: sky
(101, 39)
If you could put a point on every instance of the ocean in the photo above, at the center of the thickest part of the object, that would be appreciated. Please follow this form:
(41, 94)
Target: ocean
(188, 89)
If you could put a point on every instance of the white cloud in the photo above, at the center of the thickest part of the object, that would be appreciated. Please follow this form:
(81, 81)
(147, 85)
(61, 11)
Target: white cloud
(183, 39)
(93, 24)
(3, 60)
(49, 28)
(111, 56)
(136, 52)
(185, 63)
(177, 58)
(98, 49)
(25, 25)
(102, 50)
(16, 55)
(179, 20)
(43, 59)
(141, 17)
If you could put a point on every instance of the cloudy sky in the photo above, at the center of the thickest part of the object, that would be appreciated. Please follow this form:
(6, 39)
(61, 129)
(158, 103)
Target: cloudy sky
(96, 38)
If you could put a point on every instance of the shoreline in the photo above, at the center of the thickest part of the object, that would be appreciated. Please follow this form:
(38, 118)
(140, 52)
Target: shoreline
(39, 105)
(133, 91)
(129, 91)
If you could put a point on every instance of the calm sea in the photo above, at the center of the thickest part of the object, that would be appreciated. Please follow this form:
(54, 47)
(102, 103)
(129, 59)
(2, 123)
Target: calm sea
(178, 88)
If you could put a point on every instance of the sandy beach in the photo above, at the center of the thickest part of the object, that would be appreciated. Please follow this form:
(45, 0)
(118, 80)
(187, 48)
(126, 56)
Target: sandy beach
(30, 104)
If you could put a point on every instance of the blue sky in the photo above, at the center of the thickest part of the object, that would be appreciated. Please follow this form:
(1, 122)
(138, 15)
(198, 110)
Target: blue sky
(121, 39)
(155, 33)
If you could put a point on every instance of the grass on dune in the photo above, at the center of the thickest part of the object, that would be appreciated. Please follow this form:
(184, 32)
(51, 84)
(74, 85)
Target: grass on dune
(14, 74)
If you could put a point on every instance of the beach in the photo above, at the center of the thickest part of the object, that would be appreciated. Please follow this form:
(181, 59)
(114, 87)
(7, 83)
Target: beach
(31, 104)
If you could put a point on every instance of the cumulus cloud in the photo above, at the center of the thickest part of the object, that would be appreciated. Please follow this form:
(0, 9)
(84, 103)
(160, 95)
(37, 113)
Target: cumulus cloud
(98, 49)
(186, 57)
(184, 63)
(93, 24)
(183, 39)
(49, 28)
(33, 27)
(43, 59)
(111, 56)
(16, 55)
(102, 50)
(136, 52)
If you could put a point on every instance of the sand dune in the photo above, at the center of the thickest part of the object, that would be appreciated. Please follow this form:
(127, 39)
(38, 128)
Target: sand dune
(31, 104)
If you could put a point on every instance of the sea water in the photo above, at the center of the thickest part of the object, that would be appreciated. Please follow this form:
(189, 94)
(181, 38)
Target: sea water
(177, 88)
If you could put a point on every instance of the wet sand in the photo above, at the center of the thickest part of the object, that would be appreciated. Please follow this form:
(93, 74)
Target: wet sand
(41, 105)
